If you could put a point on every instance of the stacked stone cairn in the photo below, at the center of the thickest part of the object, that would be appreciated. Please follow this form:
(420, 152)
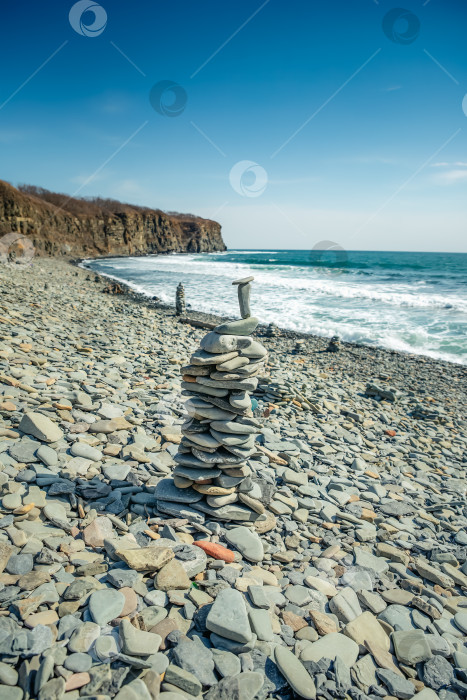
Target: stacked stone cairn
(334, 344)
(218, 474)
(180, 307)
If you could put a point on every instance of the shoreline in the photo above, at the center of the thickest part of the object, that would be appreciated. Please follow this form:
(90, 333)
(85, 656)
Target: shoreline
(320, 342)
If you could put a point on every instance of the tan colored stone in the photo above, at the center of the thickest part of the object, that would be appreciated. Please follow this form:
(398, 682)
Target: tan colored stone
(172, 577)
(146, 558)
(110, 426)
(5, 553)
(294, 621)
(383, 658)
(131, 601)
(77, 680)
(323, 623)
(99, 530)
(47, 617)
(364, 627)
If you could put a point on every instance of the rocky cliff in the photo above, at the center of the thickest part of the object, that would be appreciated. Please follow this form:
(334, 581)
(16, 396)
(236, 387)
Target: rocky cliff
(61, 225)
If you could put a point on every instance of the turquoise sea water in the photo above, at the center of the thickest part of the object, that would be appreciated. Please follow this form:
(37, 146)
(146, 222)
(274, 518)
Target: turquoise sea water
(414, 302)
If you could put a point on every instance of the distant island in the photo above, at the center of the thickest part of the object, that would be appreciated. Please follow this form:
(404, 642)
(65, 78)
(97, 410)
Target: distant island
(60, 225)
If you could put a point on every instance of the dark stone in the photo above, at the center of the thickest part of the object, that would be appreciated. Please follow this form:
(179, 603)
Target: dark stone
(63, 486)
(195, 658)
(438, 672)
(397, 686)
(274, 680)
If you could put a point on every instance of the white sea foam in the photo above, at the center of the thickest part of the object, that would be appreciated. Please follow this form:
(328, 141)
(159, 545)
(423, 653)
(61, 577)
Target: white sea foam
(398, 311)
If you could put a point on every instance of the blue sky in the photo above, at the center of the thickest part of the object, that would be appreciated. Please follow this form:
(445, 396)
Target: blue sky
(295, 122)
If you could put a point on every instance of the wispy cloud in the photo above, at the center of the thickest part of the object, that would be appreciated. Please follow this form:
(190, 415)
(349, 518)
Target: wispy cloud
(391, 88)
(455, 164)
(450, 173)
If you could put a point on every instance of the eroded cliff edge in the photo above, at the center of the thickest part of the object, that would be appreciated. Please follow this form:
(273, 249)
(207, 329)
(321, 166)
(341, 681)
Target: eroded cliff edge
(64, 226)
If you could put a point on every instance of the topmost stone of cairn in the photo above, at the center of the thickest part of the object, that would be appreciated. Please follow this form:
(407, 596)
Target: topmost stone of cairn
(244, 296)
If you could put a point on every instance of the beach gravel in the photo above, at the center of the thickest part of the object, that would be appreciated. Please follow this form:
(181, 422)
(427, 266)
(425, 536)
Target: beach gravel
(295, 530)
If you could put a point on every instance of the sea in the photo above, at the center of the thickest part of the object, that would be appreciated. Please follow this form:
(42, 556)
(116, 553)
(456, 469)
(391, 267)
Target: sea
(411, 302)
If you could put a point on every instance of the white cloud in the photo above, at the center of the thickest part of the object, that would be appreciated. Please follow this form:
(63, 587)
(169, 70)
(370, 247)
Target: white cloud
(450, 173)
(455, 164)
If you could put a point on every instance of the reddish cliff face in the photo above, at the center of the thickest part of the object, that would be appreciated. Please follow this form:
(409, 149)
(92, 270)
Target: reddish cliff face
(58, 225)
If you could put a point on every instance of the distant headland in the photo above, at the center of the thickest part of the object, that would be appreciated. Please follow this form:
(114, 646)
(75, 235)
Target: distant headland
(60, 225)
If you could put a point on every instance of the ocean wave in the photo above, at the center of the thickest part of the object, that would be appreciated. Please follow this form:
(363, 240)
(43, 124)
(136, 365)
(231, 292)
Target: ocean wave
(401, 312)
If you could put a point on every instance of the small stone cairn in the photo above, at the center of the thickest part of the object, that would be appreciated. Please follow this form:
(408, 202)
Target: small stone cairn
(180, 300)
(217, 474)
(334, 344)
(272, 331)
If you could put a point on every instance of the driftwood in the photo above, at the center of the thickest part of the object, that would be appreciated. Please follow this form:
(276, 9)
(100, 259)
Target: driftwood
(198, 324)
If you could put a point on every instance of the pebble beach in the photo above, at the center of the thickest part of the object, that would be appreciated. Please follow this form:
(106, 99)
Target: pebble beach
(327, 560)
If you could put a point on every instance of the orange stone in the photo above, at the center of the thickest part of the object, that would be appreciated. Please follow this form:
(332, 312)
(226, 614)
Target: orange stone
(216, 551)
(189, 378)
(23, 509)
(368, 515)
(373, 475)
(7, 406)
(391, 433)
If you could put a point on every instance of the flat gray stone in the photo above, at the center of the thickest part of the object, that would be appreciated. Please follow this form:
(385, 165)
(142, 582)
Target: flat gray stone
(25, 451)
(81, 449)
(411, 647)
(330, 647)
(228, 616)
(398, 617)
(397, 686)
(106, 605)
(226, 663)
(78, 663)
(117, 472)
(245, 686)
(248, 543)
(40, 427)
(345, 605)
(460, 619)
(245, 326)
(137, 642)
(260, 621)
(166, 491)
(194, 657)
(295, 673)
